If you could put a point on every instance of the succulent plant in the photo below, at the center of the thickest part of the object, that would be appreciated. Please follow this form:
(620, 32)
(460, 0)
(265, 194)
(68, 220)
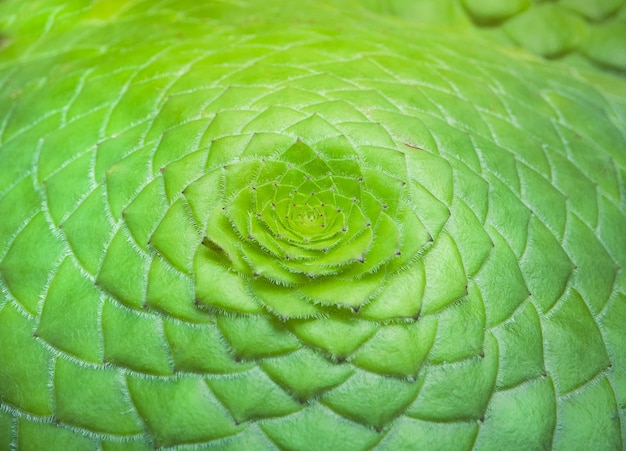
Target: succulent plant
(315, 225)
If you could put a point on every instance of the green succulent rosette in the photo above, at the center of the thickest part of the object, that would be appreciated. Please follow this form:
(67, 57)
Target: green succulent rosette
(244, 226)
(584, 33)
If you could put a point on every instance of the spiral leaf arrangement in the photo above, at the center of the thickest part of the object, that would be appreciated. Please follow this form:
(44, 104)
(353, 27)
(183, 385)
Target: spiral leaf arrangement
(222, 232)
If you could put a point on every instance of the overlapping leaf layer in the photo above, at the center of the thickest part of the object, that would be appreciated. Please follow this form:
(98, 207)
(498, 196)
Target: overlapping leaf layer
(582, 32)
(229, 226)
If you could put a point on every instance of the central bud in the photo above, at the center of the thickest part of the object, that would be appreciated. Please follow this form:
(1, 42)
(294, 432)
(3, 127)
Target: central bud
(307, 220)
(301, 225)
